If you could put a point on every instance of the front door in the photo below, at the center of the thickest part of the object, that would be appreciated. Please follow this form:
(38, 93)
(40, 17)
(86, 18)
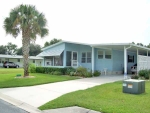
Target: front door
(74, 59)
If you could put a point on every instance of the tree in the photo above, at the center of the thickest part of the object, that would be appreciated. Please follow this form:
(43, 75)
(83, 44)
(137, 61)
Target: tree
(25, 19)
(53, 41)
(11, 48)
(35, 49)
(3, 49)
(140, 44)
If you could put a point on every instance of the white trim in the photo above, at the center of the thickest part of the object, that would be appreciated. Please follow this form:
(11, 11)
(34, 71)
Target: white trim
(74, 60)
(137, 60)
(93, 60)
(125, 63)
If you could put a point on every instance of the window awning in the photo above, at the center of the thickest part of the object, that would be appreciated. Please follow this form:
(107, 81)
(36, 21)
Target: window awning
(51, 53)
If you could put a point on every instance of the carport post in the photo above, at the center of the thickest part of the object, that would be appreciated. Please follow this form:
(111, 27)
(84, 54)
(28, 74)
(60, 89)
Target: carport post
(125, 63)
(92, 59)
(137, 61)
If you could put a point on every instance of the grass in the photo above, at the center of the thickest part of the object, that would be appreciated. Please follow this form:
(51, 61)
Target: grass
(7, 78)
(107, 98)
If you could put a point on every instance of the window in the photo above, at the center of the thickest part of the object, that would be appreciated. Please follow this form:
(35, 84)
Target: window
(58, 61)
(68, 58)
(33, 61)
(100, 54)
(130, 59)
(18, 60)
(108, 54)
(88, 57)
(83, 60)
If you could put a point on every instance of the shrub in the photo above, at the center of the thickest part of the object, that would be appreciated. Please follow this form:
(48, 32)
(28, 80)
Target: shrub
(89, 74)
(40, 70)
(144, 73)
(134, 77)
(50, 70)
(57, 73)
(32, 68)
(96, 73)
(81, 71)
(69, 70)
(72, 73)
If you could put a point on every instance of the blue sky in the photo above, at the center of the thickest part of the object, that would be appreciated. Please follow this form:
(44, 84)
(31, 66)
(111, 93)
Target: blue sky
(88, 21)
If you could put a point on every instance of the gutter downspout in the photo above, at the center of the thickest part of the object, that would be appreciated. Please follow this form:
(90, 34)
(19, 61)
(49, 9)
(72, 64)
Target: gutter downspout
(125, 61)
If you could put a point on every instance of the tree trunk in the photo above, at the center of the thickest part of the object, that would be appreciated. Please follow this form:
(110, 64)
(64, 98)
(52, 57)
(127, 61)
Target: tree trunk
(25, 51)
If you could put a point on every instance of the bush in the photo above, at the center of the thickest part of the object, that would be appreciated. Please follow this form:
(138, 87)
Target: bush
(57, 73)
(40, 70)
(81, 71)
(50, 70)
(134, 77)
(72, 73)
(69, 70)
(144, 73)
(89, 74)
(96, 73)
(32, 68)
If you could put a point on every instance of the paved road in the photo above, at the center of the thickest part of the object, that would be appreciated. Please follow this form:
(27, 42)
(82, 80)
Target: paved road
(9, 108)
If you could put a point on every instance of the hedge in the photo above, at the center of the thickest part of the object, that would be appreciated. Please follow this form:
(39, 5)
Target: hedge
(50, 70)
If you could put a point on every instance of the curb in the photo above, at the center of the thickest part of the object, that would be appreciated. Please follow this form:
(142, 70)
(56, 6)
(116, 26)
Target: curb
(20, 104)
(73, 109)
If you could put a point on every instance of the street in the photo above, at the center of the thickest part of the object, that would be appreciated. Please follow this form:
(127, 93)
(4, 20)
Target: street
(9, 108)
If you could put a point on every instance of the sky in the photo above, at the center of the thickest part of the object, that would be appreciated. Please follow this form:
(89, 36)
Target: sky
(87, 21)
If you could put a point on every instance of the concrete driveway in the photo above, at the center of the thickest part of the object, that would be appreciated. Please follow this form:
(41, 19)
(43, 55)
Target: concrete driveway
(40, 94)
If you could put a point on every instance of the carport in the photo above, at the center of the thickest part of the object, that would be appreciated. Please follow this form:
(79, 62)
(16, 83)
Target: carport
(142, 54)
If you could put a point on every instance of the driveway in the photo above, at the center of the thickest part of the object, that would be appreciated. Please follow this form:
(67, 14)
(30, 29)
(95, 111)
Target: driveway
(40, 94)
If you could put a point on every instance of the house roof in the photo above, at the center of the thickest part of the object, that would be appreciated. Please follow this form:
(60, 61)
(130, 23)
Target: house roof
(63, 41)
(51, 53)
(117, 46)
(19, 56)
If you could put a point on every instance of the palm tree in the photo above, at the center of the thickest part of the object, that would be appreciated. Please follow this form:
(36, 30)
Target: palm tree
(25, 19)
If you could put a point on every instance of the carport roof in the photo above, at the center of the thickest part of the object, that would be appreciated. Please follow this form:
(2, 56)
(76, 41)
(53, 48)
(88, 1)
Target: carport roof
(120, 46)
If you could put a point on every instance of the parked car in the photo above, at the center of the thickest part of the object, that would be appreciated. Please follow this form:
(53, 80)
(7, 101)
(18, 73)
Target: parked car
(134, 69)
(10, 65)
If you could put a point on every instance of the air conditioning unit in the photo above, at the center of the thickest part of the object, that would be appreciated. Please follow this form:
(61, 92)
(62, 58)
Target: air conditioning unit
(133, 86)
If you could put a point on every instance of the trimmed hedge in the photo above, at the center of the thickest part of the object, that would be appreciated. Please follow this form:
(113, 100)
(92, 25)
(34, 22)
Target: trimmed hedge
(49, 70)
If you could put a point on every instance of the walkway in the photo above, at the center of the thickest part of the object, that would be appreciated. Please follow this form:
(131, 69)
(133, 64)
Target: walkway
(40, 94)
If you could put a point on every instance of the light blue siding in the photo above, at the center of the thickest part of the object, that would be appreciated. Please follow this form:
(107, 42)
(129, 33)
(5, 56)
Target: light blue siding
(116, 63)
(103, 63)
(79, 48)
(118, 60)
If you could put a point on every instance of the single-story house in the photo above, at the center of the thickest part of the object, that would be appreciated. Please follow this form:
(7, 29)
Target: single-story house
(18, 59)
(112, 58)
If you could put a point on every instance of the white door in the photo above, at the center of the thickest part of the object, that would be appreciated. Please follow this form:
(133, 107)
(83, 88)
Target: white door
(74, 59)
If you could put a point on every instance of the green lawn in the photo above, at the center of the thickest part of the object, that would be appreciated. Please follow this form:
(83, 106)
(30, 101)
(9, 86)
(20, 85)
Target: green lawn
(107, 98)
(7, 78)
